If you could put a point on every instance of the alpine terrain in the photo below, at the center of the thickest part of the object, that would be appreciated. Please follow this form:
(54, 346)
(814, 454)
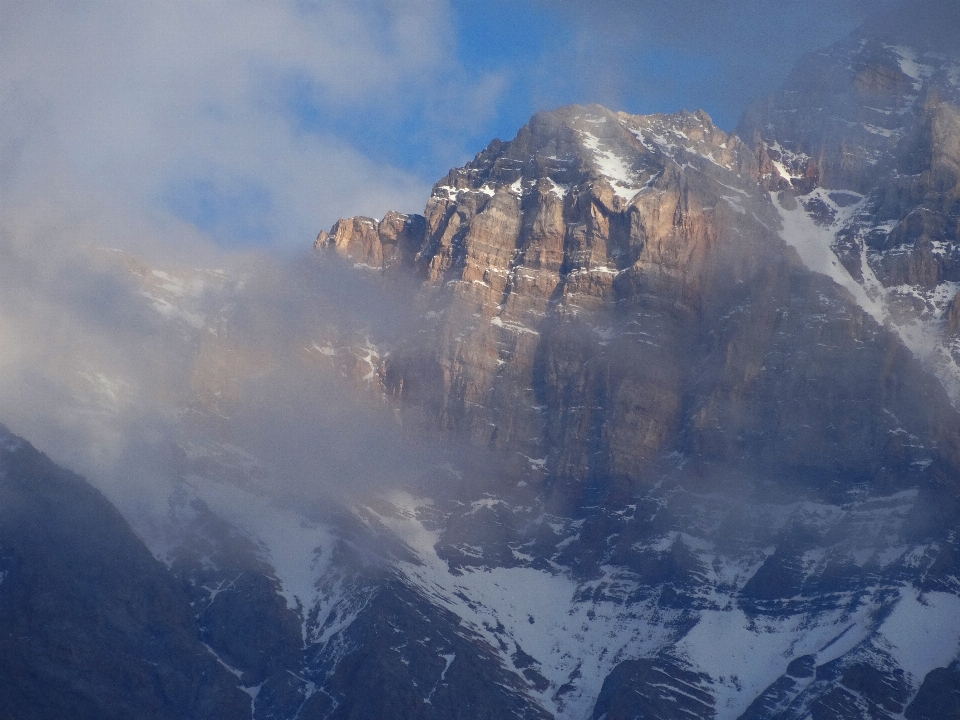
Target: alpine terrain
(660, 422)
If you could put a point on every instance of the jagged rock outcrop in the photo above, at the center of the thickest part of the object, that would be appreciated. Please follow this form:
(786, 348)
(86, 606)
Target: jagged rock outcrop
(878, 115)
(653, 688)
(608, 289)
(379, 244)
(584, 209)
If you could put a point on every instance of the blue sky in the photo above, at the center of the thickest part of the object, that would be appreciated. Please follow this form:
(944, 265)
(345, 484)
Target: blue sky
(710, 55)
(259, 122)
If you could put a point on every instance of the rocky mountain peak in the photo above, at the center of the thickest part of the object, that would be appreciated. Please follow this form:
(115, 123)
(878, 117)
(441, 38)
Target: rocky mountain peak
(563, 167)
(863, 137)
(690, 459)
(616, 154)
(697, 403)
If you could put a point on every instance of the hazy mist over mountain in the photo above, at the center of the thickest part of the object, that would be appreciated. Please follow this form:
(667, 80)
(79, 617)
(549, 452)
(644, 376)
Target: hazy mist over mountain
(174, 133)
(621, 382)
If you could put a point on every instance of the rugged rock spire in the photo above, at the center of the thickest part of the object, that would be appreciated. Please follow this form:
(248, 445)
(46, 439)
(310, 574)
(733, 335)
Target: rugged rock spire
(609, 289)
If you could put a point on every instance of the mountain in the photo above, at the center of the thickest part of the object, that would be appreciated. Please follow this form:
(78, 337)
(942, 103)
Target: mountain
(721, 468)
(639, 419)
(93, 625)
(707, 362)
(875, 120)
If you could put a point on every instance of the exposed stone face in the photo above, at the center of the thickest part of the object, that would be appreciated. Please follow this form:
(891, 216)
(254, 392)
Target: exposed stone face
(876, 119)
(939, 696)
(953, 316)
(532, 234)
(383, 244)
(621, 307)
(608, 289)
(653, 688)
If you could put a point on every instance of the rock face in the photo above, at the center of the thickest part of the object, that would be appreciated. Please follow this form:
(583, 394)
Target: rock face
(538, 256)
(878, 116)
(385, 244)
(92, 625)
(705, 363)
(607, 290)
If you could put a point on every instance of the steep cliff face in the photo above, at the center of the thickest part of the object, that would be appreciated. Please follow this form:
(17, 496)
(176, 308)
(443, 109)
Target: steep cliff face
(539, 248)
(606, 289)
(730, 478)
(878, 116)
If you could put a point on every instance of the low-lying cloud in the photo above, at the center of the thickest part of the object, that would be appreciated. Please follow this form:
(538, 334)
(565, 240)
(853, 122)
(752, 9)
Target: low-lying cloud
(142, 376)
(158, 195)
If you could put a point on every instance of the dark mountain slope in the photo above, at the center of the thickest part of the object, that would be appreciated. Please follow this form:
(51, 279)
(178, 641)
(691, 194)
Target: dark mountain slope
(92, 625)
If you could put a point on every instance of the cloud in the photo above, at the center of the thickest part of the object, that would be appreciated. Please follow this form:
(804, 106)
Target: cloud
(165, 130)
(99, 371)
(720, 55)
(262, 121)
(133, 105)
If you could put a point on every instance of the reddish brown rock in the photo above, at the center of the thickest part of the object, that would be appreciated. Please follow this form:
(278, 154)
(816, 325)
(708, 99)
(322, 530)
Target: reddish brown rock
(379, 245)
(608, 289)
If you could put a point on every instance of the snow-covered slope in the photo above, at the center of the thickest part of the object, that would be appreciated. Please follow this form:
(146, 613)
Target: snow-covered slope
(875, 117)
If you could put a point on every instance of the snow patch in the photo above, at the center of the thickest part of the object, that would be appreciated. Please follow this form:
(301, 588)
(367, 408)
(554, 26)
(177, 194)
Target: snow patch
(909, 64)
(566, 636)
(172, 312)
(232, 670)
(512, 326)
(300, 551)
(924, 631)
(613, 167)
(559, 190)
(448, 659)
(813, 244)
(743, 655)
(327, 349)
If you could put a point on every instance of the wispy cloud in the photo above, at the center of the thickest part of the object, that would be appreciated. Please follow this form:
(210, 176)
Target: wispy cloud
(720, 55)
(120, 370)
(140, 105)
(257, 122)
(166, 129)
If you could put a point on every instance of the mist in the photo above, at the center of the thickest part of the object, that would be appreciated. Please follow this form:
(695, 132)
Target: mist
(164, 324)
(140, 139)
(142, 376)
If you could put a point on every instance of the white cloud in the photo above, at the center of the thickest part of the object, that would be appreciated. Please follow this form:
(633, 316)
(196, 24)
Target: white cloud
(111, 113)
(114, 103)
